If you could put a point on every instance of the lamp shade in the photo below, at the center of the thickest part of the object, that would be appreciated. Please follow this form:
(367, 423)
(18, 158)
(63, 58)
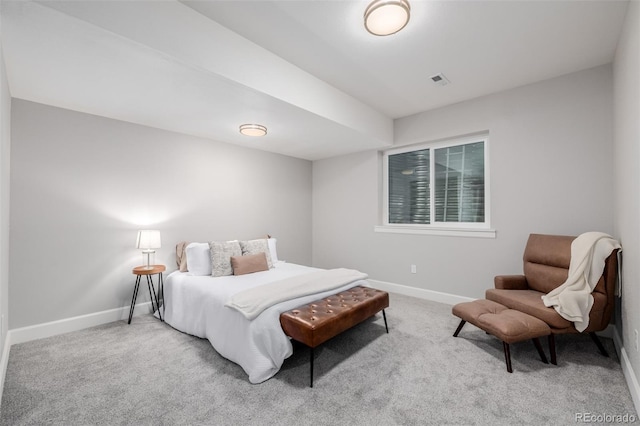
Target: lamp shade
(148, 240)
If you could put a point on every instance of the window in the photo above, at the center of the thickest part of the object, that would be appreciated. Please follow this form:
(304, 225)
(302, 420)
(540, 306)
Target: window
(437, 186)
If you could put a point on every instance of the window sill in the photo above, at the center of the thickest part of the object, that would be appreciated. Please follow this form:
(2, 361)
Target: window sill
(446, 232)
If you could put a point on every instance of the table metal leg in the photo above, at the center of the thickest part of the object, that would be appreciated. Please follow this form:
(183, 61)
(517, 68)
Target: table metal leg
(153, 296)
(153, 309)
(133, 299)
(161, 293)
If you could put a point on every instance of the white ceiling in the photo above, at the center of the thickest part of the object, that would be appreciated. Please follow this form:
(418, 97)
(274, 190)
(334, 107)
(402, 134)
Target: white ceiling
(308, 70)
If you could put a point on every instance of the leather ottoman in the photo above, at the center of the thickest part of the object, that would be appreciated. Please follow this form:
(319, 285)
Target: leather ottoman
(508, 325)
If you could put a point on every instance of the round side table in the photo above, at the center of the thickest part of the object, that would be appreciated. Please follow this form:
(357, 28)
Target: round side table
(148, 271)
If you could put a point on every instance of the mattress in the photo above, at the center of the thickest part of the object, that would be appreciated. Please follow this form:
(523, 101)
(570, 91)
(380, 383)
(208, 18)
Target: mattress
(195, 305)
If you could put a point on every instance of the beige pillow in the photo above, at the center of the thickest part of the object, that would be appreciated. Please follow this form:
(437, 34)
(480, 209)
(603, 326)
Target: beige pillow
(181, 256)
(249, 263)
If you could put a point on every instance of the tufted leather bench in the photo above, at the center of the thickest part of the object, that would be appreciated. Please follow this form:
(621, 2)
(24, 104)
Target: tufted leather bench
(508, 325)
(319, 321)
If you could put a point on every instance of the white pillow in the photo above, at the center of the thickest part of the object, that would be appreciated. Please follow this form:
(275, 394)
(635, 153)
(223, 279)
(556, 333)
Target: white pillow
(198, 258)
(272, 249)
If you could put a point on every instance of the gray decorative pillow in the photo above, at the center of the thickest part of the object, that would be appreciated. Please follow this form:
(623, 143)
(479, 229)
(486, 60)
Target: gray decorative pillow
(221, 257)
(255, 247)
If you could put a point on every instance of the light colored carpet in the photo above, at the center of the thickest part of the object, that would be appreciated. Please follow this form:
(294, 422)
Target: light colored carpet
(147, 373)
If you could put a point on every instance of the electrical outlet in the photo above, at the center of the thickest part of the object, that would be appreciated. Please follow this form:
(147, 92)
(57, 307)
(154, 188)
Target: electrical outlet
(413, 269)
(635, 335)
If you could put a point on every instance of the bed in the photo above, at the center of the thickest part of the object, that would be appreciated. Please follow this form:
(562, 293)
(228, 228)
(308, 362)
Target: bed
(196, 305)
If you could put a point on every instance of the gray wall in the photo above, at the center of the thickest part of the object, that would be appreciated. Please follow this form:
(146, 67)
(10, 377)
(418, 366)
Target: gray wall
(5, 145)
(82, 185)
(627, 174)
(551, 172)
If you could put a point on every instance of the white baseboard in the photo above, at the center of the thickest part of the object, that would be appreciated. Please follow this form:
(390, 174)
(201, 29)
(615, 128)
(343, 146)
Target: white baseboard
(48, 329)
(4, 361)
(627, 371)
(450, 299)
(435, 296)
(617, 343)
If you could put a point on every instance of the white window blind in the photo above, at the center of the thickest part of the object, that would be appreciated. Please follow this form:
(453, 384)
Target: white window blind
(441, 185)
(459, 180)
(409, 197)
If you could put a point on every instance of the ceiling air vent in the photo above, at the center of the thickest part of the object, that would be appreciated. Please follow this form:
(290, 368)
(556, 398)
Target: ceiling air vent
(439, 79)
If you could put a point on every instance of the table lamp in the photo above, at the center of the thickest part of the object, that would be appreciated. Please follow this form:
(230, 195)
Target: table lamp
(148, 241)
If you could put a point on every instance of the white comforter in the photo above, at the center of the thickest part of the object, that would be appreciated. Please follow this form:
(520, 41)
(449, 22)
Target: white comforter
(195, 305)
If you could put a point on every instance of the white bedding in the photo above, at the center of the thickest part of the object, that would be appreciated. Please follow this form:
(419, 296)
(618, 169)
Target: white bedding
(195, 305)
(251, 303)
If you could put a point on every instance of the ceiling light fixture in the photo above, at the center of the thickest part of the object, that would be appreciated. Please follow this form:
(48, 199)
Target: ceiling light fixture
(253, 130)
(386, 17)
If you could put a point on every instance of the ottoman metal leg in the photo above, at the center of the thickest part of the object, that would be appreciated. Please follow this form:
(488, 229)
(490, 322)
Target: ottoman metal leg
(462, 322)
(536, 343)
(507, 356)
(552, 349)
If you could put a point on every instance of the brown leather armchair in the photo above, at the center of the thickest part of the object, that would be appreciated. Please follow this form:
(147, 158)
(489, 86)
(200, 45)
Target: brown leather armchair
(546, 266)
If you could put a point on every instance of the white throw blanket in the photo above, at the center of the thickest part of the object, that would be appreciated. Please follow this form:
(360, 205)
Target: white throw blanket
(252, 302)
(573, 299)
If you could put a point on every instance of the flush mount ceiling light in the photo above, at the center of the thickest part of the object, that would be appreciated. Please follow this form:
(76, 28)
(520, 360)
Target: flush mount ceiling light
(386, 17)
(253, 130)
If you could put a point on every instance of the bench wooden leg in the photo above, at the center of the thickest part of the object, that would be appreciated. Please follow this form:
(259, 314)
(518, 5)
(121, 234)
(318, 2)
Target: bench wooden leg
(311, 368)
(507, 356)
(536, 343)
(385, 321)
(462, 322)
(552, 349)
